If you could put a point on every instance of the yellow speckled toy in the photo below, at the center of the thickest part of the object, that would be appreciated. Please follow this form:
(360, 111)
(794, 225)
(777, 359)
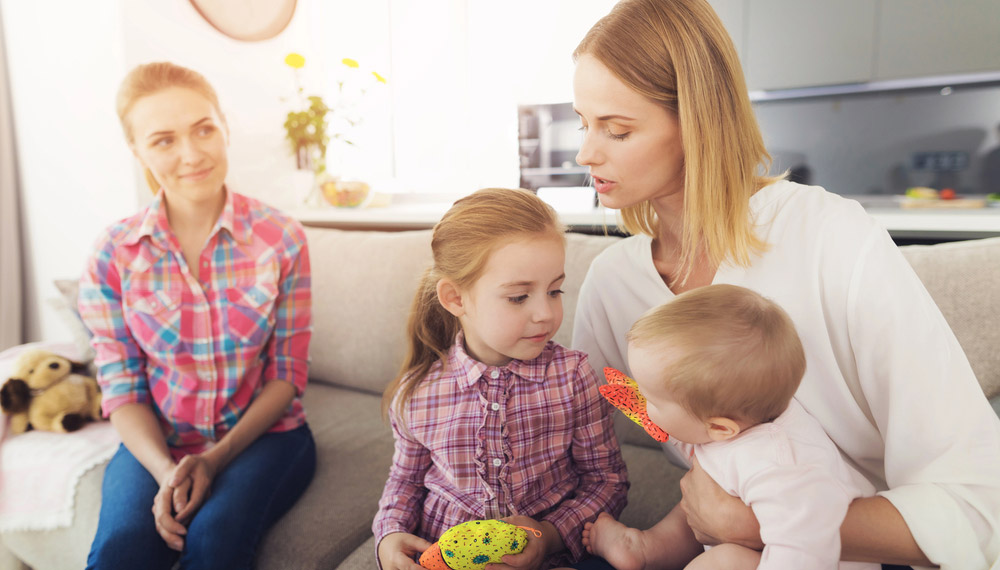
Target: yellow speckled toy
(474, 544)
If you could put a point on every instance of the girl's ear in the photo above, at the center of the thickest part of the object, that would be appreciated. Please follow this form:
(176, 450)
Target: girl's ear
(721, 429)
(450, 297)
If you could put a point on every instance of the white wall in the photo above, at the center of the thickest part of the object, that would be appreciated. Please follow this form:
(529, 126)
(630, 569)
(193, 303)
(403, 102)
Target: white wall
(65, 60)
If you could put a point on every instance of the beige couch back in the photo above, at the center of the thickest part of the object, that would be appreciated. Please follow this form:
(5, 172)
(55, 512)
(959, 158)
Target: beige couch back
(964, 280)
(363, 285)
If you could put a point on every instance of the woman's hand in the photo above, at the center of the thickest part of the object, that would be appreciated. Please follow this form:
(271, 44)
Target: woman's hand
(169, 528)
(192, 482)
(182, 491)
(715, 516)
(397, 550)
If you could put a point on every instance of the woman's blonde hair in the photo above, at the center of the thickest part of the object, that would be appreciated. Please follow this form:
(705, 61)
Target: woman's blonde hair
(150, 78)
(462, 243)
(731, 352)
(678, 54)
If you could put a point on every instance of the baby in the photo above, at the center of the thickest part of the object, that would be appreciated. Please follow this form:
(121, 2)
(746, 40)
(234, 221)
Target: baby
(718, 367)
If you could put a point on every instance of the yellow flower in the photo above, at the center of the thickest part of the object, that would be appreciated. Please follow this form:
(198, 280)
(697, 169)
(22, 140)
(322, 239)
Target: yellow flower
(378, 77)
(295, 60)
(349, 62)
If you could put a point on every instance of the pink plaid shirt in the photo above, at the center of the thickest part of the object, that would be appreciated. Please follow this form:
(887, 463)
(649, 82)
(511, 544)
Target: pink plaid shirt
(200, 350)
(530, 438)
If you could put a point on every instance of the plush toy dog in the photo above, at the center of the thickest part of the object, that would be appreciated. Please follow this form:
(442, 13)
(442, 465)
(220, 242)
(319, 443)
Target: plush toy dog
(49, 392)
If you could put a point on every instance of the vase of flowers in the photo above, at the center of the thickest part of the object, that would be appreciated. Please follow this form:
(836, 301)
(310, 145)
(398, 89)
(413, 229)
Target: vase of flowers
(312, 124)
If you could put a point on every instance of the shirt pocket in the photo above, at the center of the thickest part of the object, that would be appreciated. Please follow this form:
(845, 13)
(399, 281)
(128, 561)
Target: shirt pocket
(250, 312)
(154, 318)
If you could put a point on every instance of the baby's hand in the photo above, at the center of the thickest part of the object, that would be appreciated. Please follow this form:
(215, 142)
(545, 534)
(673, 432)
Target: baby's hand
(545, 540)
(397, 550)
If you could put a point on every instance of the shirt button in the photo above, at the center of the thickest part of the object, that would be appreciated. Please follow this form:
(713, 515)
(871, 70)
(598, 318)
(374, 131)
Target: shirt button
(208, 418)
(495, 374)
(497, 463)
(494, 406)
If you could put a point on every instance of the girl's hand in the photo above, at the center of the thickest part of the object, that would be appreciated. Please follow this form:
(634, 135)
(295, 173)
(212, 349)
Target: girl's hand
(715, 516)
(397, 550)
(192, 481)
(537, 549)
(167, 525)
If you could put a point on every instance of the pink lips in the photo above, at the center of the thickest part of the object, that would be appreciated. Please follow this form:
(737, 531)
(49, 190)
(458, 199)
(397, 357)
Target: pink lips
(601, 185)
(538, 338)
(197, 176)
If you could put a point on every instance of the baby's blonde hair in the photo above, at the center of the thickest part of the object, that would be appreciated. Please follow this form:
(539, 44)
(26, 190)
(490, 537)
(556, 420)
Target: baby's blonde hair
(732, 353)
(474, 227)
(151, 78)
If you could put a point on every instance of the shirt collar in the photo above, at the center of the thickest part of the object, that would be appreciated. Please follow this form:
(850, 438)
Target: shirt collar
(468, 370)
(235, 219)
(153, 225)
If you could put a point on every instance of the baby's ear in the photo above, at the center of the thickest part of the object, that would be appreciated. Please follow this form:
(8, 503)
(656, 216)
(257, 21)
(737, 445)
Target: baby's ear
(721, 429)
(15, 396)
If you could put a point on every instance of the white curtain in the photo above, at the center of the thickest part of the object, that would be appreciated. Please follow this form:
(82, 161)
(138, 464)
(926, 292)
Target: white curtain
(11, 263)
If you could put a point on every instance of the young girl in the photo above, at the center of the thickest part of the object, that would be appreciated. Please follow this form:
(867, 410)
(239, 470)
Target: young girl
(492, 419)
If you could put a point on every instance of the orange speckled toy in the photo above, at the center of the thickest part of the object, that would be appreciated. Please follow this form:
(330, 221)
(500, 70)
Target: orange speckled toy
(624, 394)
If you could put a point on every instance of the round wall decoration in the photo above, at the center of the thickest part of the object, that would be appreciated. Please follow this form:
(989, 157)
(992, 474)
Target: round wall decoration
(247, 20)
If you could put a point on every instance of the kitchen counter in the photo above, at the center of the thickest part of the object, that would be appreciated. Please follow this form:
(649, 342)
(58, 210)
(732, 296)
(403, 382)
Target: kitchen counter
(410, 213)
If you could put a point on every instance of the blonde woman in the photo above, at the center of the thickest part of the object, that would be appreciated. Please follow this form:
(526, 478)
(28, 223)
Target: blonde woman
(200, 308)
(672, 143)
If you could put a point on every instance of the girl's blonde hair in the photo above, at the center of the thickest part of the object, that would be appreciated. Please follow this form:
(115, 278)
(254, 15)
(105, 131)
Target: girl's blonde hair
(732, 353)
(462, 243)
(150, 78)
(678, 54)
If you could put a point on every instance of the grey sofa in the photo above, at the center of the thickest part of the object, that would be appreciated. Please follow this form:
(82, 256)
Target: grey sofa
(362, 287)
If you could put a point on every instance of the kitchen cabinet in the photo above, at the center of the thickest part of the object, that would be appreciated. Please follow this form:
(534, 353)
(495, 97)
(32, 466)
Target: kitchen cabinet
(937, 37)
(786, 44)
(794, 43)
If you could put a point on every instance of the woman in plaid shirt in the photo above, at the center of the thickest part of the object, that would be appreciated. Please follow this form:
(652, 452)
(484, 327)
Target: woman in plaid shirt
(492, 419)
(200, 309)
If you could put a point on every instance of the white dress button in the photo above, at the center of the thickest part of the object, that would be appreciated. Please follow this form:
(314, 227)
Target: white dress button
(495, 374)
(497, 463)
(494, 406)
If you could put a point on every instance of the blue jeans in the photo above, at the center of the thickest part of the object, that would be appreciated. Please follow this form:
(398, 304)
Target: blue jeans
(247, 497)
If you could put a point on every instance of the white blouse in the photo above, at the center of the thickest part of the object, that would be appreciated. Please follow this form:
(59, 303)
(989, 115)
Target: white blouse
(885, 377)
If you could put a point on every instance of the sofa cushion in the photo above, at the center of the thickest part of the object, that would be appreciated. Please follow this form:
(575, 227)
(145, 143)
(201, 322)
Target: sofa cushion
(334, 516)
(962, 278)
(363, 284)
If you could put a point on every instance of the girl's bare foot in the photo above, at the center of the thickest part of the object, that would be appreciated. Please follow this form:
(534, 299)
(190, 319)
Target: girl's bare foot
(620, 545)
